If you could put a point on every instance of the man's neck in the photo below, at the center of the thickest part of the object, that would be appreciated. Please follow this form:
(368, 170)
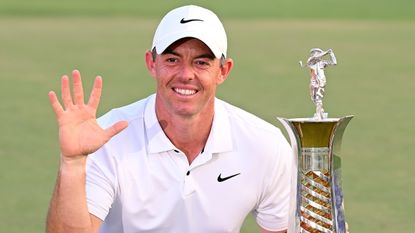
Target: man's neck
(188, 134)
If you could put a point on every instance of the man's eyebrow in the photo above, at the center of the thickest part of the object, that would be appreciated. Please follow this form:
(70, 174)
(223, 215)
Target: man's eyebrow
(206, 55)
(169, 51)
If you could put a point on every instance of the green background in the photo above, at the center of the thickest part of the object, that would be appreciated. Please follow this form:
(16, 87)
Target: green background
(374, 80)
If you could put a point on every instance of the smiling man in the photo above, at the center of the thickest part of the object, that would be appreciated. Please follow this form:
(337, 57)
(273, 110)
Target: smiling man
(179, 161)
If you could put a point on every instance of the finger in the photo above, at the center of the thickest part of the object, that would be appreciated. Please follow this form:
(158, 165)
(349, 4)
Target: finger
(78, 90)
(56, 106)
(95, 96)
(116, 128)
(66, 92)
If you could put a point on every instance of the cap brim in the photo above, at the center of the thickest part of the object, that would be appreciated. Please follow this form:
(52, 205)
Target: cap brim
(164, 43)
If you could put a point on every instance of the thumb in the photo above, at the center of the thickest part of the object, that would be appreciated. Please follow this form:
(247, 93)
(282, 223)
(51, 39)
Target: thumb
(116, 128)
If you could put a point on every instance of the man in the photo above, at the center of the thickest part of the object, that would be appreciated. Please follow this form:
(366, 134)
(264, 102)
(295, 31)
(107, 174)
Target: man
(179, 161)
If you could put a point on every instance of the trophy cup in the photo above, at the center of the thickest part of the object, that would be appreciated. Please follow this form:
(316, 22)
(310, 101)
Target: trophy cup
(317, 198)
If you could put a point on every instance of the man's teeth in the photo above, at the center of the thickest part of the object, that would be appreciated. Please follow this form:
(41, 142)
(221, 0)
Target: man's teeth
(184, 91)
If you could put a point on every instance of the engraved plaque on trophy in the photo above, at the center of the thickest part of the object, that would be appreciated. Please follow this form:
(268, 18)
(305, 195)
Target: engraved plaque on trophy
(317, 198)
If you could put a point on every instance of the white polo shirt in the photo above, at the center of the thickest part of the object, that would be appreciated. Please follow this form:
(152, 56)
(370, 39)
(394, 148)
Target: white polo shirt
(140, 182)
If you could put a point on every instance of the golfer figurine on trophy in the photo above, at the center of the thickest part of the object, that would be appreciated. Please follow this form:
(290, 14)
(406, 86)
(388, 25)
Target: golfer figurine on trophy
(318, 79)
(317, 203)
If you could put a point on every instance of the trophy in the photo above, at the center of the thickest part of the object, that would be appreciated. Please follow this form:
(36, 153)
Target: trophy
(317, 198)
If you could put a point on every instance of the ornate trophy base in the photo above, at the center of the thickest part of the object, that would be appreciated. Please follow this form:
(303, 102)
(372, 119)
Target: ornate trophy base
(317, 203)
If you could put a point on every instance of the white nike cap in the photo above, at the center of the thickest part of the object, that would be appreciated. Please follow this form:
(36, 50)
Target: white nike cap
(191, 21)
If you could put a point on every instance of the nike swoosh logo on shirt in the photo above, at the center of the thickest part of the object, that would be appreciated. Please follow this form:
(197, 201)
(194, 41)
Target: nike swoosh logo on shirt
(221, 179)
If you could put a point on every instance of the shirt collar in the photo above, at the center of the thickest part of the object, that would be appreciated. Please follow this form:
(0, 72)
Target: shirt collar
(219, 139)
(156, 138)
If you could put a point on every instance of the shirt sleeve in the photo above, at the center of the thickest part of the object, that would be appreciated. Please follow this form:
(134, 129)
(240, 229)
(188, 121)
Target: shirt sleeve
(272, 211)
(100, 183)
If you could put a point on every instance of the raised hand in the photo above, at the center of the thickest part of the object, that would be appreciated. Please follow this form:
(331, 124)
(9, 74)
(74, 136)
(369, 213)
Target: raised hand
(79, 132)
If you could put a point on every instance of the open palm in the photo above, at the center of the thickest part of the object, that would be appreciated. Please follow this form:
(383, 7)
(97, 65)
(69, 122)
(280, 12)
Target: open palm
(79, 132)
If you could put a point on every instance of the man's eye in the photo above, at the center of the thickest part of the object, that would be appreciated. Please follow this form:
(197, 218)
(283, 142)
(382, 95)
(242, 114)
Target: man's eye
(171, 60)
(202, 63)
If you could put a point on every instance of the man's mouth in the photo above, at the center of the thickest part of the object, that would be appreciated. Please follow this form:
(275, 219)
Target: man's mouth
(186, 92)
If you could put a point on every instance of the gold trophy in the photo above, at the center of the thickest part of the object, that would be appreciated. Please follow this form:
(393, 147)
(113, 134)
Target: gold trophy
(317, 198)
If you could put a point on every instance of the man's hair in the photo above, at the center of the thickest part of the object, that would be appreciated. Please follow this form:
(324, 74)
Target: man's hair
(154, 54)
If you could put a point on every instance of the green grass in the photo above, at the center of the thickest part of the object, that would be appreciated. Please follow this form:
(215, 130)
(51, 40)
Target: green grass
(322, 9)
(374, 81)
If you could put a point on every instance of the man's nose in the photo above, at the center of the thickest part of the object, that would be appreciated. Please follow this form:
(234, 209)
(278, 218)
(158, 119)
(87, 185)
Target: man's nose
(187, 72)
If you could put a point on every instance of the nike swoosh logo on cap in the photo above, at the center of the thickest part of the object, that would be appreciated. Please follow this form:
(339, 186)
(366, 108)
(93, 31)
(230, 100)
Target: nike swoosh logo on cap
(183, 21)
(221, 179)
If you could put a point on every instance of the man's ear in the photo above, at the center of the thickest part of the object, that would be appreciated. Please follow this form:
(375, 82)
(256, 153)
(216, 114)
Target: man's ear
(150, 63)
(225, 69)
